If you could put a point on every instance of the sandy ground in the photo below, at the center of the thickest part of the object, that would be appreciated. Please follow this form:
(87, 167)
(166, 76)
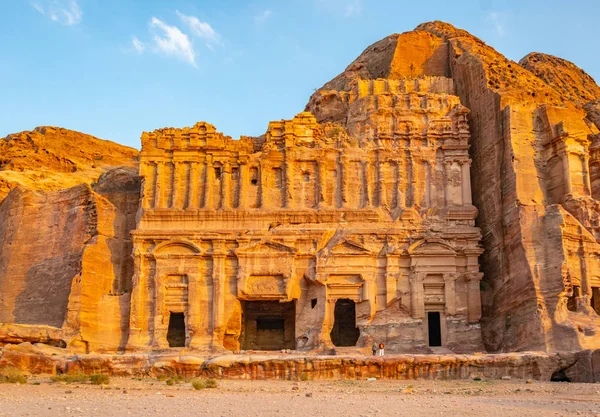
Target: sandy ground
(148, 397)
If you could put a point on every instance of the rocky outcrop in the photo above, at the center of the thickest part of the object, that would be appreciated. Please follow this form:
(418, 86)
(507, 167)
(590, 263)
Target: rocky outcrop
(522, 129)
(65, 262)
(53, 158)
(576, 367)
(377, 181)
(570, 81)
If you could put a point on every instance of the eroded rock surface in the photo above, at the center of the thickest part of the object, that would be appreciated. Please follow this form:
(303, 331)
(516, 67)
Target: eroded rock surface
(361, 220)
(65, 264)
(54, 158)
(534, 175)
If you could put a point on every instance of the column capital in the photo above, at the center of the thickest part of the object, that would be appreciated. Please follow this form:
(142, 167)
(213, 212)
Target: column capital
(473, 276)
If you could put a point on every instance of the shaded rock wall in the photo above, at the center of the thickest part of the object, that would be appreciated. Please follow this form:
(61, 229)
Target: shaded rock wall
(65, 262)
(530, 152)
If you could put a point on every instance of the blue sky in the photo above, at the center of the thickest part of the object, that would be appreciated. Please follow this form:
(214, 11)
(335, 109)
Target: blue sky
(115, 68)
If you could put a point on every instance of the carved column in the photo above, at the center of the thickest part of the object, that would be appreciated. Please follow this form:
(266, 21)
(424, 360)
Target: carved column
(193, 199)
(243, 184)
(566, 172)
(160, 327)
(138, 324)
(343, 181)
(177, 185)
(319, 185)
(263, 186)
(225, 188)
(288, 180)
(146, 171)
(594, 167)
(417, 295)
(466, 182)
(586, 287)
(160, 195)
(447, 179)
(474, 296)
(218, 293)
(391, 269)
(450, 293)
(586, 174)
(379, 197)
(210, 181)
(328, 321)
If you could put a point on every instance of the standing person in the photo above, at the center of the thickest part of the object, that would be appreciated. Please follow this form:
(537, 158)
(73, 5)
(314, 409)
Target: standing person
(374, 349)
(381, 347)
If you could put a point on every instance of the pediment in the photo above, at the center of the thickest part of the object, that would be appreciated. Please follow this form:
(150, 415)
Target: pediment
(436, 247)
(350, 247)
(266, 247)
(176, 247)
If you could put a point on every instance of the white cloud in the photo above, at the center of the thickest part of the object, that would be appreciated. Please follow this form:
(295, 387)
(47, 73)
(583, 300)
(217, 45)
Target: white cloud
(202, 30)
(138, 45)
(65, 12)
(262, 17)
(346, 8)
(172, 42)
(497, 19)
(352, 8)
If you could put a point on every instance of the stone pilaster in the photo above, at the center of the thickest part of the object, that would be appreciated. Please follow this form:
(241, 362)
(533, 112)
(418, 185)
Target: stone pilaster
(225, 186)
(209, 198)
(450, 293)
(218, 293)
(159, 193)
(417, 295)
(474, 296)
(193, 187)
(466, 182)
(243, 184)
(566, 172)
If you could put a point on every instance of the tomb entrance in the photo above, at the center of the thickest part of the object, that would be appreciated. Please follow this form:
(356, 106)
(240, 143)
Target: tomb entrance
(176, 332)
(268, 325)
(344, 331)
(434, 328)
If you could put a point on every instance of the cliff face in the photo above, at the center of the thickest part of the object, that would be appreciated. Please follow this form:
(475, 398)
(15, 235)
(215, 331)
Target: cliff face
(65, 262)
(65, 245)
(53, 158)
(531, 168)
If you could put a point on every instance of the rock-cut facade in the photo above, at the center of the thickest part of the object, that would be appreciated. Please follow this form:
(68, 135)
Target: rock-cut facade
(313, 236)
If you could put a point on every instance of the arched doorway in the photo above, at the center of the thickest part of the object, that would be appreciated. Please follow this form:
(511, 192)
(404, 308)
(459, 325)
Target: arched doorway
(344, 331)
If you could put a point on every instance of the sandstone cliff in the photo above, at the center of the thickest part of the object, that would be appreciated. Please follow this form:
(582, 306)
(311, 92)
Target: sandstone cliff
(65, 264)
(53, 158)
(530, 175)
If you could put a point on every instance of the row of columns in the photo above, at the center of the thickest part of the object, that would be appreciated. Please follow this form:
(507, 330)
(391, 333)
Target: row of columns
(178, 184)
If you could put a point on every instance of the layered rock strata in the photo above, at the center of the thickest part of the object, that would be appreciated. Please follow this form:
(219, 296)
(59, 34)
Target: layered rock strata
(533, 175)
(364, 219)
(65, 264)
(53, 158)
(576, 367)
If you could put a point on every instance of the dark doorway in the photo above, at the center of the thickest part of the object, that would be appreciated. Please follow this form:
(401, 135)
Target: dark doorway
(344, 332)
(572, 300)
(435, 328)
(268, 325)
(176, 333)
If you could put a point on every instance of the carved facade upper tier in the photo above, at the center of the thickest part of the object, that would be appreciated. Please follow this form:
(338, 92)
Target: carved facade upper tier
(312, 235)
